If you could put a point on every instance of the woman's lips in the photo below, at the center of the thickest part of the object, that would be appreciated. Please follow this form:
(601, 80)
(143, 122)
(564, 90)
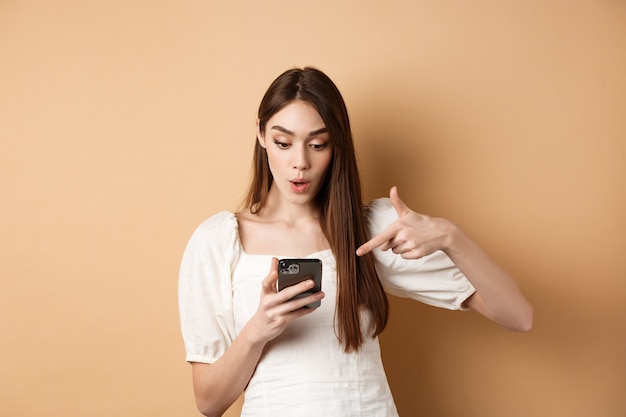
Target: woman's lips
(299, 186)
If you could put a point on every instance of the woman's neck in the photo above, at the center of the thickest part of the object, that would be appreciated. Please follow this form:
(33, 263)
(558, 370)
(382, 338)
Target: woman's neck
(281, 227)
(278, 209)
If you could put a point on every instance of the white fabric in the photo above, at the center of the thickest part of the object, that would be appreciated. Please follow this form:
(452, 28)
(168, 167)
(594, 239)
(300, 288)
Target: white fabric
(304, 371)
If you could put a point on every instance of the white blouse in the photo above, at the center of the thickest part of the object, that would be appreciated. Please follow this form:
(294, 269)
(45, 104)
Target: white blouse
(304, 371)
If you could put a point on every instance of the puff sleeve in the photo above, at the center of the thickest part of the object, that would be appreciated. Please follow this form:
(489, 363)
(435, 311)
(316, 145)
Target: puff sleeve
(432, 279)
(205, 290)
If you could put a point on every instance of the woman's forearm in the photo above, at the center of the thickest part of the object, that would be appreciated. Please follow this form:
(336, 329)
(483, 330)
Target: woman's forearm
(218, 385)
(497, 295)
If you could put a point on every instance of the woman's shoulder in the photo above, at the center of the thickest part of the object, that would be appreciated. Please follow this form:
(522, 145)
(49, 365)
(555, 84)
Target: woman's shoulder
(380, 208)
(219, 220)
(379, 213)
(219, 226)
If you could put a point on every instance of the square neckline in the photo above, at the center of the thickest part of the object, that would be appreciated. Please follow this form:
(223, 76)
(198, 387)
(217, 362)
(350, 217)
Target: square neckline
(320, 254)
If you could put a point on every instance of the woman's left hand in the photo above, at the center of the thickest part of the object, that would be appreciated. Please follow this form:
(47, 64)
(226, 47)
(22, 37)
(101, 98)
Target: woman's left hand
(412, 235)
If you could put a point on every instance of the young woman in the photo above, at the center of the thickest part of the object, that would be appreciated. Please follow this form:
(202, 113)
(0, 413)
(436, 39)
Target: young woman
(305, 202)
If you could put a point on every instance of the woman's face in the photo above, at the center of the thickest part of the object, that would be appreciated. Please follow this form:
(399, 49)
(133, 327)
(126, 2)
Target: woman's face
(298, 151)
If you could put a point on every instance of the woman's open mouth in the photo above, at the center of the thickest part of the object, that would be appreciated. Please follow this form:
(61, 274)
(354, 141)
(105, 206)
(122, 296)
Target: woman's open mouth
(300, 186)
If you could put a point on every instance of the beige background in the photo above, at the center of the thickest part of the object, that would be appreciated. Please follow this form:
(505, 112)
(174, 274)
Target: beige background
(123, 124)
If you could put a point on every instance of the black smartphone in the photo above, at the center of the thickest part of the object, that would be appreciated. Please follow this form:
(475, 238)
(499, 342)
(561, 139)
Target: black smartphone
(292, 271)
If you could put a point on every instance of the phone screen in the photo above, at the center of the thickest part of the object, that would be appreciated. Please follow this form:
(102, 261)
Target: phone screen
(292, 271)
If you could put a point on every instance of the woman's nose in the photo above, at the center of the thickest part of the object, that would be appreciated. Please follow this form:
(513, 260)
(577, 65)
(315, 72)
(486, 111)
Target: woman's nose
(300, 160)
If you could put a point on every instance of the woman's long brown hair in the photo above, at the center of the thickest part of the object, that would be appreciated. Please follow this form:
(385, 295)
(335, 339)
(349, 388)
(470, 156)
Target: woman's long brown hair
(339, 201)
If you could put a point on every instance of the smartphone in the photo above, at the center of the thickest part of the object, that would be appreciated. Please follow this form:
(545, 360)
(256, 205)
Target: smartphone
(292, 271)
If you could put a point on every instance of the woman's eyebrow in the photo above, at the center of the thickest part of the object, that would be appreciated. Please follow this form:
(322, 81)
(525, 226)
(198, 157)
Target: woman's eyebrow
(318, 132)
(289, 132)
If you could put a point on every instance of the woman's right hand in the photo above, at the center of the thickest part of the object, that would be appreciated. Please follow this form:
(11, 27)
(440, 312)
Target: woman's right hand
(277, 309)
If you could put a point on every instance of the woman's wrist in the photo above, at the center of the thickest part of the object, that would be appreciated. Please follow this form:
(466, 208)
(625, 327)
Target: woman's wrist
(252, 338)
(453, 236)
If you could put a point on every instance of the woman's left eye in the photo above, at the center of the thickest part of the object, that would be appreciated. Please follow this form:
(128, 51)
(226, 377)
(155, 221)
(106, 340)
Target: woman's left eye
(319, 146)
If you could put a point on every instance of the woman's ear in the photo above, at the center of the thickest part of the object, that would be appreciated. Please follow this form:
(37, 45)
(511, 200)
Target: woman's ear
(259, 135)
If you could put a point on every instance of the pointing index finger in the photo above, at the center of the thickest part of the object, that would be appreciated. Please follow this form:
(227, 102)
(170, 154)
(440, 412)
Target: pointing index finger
(389, 233)
(373, 243)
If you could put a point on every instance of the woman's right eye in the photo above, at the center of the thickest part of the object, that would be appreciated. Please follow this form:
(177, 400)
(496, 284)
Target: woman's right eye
(281, 145)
